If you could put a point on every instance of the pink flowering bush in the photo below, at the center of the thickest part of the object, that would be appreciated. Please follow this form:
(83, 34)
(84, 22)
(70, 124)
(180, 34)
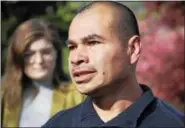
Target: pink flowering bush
(161, 65)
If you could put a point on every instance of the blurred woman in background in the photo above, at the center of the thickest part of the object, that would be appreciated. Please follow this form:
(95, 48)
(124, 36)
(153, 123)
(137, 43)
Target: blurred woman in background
(34, 86)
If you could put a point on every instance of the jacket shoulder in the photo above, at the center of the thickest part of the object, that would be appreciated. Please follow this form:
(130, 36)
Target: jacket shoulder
(65, 118)
(164, 115)
(70, 93)
(173, 110)
(65, 98)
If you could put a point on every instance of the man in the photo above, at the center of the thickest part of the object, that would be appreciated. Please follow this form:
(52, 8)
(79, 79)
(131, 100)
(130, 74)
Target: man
(104, 47)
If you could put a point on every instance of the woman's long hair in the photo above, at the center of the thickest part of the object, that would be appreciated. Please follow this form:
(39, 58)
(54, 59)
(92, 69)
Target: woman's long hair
(14, 79)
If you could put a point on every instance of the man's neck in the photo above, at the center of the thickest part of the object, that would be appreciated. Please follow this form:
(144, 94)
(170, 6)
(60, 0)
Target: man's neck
(112, 104)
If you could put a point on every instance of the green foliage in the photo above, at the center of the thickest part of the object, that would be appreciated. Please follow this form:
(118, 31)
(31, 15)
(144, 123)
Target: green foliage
(5, 26)
(65, 60)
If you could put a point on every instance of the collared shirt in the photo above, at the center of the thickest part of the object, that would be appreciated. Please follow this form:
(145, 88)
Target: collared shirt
(147, 111)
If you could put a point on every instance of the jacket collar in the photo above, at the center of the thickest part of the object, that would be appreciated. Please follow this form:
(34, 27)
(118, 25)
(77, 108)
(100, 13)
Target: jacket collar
(127, 118)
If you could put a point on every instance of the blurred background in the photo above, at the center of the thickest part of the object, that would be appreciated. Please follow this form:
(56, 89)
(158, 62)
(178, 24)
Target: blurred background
(161, 24)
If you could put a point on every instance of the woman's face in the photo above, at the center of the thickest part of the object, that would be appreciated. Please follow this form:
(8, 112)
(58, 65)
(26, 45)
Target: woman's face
(40, 60)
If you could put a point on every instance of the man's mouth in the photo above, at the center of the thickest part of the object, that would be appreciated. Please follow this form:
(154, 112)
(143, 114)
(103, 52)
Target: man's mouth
(81, 76)
(82, 72)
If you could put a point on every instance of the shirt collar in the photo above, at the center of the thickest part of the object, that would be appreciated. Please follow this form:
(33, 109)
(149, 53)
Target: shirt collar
(127, 118)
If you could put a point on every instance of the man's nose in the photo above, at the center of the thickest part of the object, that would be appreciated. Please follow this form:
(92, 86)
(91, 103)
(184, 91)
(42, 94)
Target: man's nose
(79, 56)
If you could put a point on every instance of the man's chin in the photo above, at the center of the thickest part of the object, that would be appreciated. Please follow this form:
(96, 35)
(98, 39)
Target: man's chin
(87, 88)
(88, 92)
(83, 89)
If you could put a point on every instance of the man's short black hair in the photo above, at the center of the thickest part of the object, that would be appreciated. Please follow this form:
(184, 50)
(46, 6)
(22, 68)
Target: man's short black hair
(124, 19)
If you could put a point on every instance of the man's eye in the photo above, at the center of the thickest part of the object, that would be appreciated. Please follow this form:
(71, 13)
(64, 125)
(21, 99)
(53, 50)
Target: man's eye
(71, 47)
(93, 42)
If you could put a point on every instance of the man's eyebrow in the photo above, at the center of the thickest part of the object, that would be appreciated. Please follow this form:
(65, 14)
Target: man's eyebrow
(91, 37)
(67, 42)
(85, 39)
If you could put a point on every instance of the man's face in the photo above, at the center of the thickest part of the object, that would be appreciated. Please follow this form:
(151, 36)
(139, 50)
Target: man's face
(40, 60)
(97, 58)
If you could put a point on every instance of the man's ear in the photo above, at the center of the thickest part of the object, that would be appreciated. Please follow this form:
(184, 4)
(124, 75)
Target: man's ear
(134, 49)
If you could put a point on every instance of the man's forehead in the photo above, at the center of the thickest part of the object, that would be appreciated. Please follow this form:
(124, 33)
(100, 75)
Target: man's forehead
(97, 20)
(90, 18)
(88, 31)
